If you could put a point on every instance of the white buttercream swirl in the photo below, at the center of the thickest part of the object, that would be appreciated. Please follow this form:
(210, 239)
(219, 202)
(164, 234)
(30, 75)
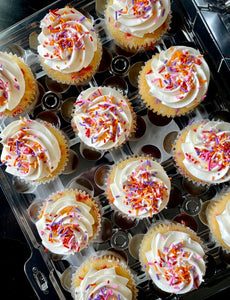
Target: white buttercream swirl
(65, 224)
(103, 284)
(207, 152)
(223, 221)
(140, 187)
(12, 83)
(28, 149)
(67, 41)
(138, 18)
(176, 262)
(179, 77)
(102, 118)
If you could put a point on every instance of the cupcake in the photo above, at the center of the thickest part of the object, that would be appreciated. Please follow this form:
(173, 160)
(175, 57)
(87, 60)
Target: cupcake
(103, 277)
(102, 118)
(136, 25)
(202, 152)
(138, 187)
(173, 258)
(69, 221)
(174, 81)
(218, 217)
(34, 151)
(18, 88)
(69, 48)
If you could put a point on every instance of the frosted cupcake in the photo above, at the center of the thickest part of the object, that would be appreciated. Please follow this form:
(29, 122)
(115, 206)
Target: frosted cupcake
(173, 257)
(138, 187)
(69, 221)
(218, 217)
(174, 81)
(202, 152)
(18, 88)
(69, 48)
(34, 151)
(135, 24)
(102, 118)
(103, 277)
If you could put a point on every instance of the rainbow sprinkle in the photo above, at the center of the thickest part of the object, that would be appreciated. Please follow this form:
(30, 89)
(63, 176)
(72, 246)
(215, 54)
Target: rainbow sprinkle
(62, 231)
(101, 121)
(21, 150)
(65, 36)
(215, 150)
(174, 266)
(140, 9)
(6, 87)
(104, 292)
(143, 192)
(178, 72)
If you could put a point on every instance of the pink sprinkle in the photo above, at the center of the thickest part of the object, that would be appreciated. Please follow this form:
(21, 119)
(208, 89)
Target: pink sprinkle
(157, 18)
(110, 292)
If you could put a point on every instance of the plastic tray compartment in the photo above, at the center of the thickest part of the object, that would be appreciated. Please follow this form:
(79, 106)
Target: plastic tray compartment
(49, 274)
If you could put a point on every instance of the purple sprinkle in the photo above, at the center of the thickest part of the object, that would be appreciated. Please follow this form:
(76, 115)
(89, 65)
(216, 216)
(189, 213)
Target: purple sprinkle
(116, 15)
(82, 19)
(80, 47)
(64, 232)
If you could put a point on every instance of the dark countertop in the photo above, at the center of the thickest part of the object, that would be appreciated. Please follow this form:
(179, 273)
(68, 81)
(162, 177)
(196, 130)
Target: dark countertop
(12, 11)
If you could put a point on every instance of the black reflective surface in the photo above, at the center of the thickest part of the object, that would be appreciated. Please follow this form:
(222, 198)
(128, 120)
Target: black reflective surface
(12, 11)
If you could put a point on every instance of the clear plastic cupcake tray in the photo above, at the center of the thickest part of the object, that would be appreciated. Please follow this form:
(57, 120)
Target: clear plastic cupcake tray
(50, 274)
